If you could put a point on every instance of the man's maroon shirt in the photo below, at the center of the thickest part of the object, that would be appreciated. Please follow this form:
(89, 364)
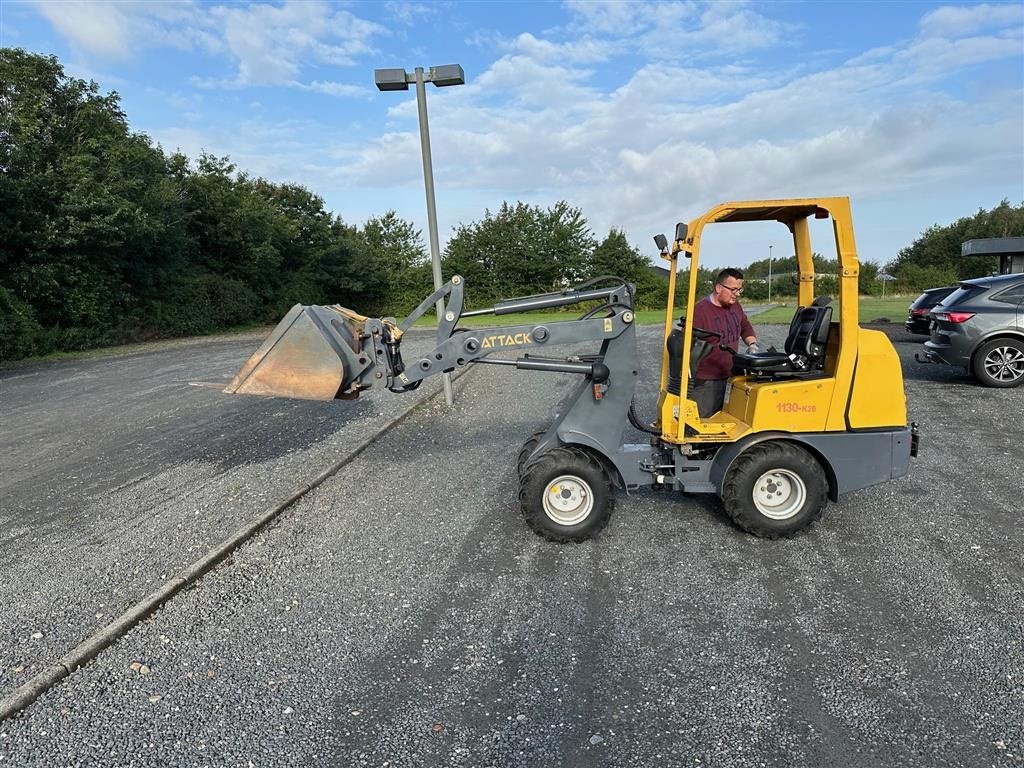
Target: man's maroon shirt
(732, 324)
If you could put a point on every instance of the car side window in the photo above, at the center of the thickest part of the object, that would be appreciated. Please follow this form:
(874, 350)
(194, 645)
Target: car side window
(1012, 295)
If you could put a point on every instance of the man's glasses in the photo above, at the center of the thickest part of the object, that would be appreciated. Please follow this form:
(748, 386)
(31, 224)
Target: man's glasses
(733, 291)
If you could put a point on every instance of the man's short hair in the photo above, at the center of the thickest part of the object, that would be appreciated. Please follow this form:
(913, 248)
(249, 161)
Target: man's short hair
(729, 272)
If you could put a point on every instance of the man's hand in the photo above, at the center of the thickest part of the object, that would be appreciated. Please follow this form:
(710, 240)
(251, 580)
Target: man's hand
(752, 348)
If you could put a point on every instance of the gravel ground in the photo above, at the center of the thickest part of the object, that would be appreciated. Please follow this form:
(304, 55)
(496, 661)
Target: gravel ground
(116, 474)
(403, 614)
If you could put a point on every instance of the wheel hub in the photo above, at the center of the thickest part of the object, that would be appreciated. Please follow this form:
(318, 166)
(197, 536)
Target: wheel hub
(779, 494)
(1005, 364)
(568, 500)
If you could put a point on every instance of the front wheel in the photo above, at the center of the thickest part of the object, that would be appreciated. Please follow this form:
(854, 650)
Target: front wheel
(775, 489)
(1000, 363)
(528, 448)
(566, 495)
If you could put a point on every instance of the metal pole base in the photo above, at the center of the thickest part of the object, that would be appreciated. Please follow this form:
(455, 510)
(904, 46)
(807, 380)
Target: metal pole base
(449, 395)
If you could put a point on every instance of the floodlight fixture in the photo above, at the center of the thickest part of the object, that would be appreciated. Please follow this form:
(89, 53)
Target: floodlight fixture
(447, 74)
(391, 79)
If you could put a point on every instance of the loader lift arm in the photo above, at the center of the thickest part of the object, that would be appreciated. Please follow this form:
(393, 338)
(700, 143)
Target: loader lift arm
(326, 353)
(458, 347)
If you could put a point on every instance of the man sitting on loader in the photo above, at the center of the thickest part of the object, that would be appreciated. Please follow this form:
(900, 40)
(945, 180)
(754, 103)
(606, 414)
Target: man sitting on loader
(721, 313)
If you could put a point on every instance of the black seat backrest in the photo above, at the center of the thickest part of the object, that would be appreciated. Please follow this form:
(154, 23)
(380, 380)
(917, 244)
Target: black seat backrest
(808, 333)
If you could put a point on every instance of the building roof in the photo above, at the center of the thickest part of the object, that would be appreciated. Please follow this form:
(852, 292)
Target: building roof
(992, 246)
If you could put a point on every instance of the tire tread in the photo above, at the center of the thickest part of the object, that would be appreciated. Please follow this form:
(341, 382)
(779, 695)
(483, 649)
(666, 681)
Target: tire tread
(737, 505)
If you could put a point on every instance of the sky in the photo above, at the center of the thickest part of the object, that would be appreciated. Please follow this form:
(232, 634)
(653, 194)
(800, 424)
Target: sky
(642, 114)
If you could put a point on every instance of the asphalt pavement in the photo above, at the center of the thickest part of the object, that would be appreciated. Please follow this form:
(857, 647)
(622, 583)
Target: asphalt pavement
(403, 614)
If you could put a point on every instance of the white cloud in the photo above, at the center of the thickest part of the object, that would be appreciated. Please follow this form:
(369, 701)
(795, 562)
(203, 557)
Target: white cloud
(621, 17)
(934, 57)
(409, 13)
(272, 44)
(670, 30)
(269, 44)
(731, 27)
(101, 28)
(338, 89)
(675, 139)
(956, 21)
(527, 81)
(119, 30)
(585, 50)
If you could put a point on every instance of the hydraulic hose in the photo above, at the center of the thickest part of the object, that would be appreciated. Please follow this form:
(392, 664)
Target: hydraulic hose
(635, 420)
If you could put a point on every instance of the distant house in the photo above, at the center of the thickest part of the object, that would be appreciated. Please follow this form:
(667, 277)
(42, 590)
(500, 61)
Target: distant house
(1010, 251)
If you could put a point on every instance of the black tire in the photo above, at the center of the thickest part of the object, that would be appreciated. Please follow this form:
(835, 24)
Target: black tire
(527, 449)
(999, 363)
(566, 495)
(775, 489)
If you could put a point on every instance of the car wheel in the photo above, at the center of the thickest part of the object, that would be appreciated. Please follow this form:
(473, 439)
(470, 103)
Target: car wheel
(999, 363)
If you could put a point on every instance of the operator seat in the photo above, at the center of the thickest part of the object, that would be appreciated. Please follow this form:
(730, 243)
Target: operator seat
(804, 355)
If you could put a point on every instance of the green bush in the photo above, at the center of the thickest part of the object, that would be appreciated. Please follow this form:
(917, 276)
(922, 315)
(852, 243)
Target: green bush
(201, 304)
(19, 329)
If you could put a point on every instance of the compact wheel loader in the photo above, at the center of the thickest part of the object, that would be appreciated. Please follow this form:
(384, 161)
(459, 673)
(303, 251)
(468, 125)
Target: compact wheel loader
(822, 417)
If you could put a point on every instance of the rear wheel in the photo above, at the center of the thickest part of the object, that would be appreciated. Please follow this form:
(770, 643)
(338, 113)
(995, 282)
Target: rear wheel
(566, 495)
(999, 363)
(775, 489)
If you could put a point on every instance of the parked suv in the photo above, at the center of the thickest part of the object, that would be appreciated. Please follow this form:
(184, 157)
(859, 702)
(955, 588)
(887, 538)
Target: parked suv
(919, 319)
(981, 327)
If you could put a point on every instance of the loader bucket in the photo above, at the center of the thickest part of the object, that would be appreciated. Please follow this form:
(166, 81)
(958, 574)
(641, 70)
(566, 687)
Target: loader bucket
(312, 354)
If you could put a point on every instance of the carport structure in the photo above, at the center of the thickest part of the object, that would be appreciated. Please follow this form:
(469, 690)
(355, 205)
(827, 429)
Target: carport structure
(1010, 251)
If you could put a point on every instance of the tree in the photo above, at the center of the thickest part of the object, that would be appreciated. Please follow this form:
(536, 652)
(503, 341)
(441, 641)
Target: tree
(868, 283)
(82, 203)
(394, 249)
(521, 249)
(104, 238)
(615, 256)
(937, 252)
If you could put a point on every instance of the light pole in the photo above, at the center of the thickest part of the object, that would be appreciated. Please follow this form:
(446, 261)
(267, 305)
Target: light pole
(399, 80)
(770, 273)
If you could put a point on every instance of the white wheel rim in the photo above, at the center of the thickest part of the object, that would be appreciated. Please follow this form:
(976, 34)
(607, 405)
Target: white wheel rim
(779, 494)
(1005, 363)
(568, 500)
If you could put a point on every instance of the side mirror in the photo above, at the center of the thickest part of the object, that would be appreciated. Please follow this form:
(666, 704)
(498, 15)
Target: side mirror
(680, 231)
(661, 242)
